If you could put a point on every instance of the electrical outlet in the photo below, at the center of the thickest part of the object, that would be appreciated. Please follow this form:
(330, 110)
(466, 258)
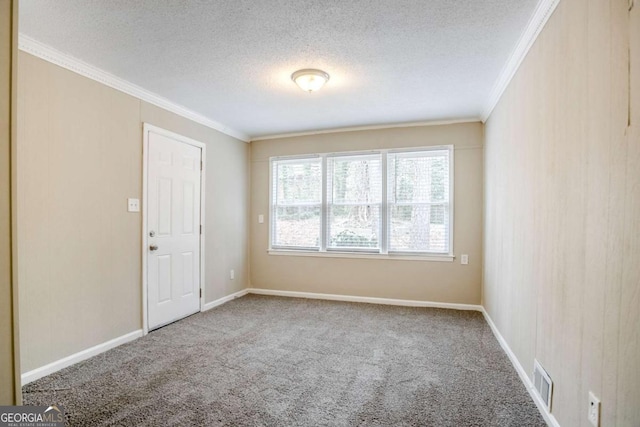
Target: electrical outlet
(133, 205)
(594, 410)
(232, 274)
(464, 259)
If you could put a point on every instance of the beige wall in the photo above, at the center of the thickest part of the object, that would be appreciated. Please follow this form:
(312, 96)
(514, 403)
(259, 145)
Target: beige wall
(9, 386)
(562, 210)
(413, 280)
(79, 159)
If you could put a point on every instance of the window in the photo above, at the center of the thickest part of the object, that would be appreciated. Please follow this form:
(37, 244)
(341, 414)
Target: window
(387, 202)
(297, 203)
(354, 202)
(418, 201)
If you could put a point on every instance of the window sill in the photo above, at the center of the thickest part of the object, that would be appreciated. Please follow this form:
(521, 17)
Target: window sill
(333, 254)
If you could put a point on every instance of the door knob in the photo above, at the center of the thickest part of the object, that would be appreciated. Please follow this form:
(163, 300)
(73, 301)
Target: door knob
(153, 248)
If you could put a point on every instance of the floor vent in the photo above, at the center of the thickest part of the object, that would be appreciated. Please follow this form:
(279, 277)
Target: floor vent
(543, 384)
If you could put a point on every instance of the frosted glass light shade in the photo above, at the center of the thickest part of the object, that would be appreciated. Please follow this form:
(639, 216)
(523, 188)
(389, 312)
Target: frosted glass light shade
(310, 80)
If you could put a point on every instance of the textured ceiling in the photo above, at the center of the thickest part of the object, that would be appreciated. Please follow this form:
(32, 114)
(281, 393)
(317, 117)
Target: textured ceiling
(390, 61)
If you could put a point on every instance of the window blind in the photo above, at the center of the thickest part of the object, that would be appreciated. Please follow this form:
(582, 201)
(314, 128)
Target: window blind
(418, 201)
(354, 199)
(386, 202)
(297, 203)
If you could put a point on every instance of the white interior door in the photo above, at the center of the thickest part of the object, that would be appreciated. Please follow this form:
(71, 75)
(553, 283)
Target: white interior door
(173, 227)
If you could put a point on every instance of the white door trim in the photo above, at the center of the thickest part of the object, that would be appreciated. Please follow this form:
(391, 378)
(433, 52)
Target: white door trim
(147, 128)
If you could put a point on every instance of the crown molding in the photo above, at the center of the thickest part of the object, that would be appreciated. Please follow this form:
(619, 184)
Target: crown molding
(49, 54)
(543, 12)
(372, 127)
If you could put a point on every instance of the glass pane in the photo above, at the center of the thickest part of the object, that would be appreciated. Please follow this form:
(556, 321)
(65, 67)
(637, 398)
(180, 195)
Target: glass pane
(437, 215)
(297, 226)
(298, 182)
(354, 226)
(419, 177)
(355, 179)
(421, 228)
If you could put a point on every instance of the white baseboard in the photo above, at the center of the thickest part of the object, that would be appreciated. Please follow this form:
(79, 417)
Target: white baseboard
(370, 300)
(220, 301)
(548, 417)
(43, 371)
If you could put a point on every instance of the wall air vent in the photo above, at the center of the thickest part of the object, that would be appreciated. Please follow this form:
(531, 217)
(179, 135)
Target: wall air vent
(543, 384)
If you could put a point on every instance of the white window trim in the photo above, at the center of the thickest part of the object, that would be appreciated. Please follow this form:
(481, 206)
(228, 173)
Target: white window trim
(383, 253)
(365, 255)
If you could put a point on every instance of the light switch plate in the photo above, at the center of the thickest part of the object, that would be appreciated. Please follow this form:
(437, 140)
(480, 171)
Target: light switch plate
(260, 219)
(133, 205)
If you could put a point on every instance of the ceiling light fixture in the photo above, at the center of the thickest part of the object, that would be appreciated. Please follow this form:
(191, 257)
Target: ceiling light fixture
(310, 80)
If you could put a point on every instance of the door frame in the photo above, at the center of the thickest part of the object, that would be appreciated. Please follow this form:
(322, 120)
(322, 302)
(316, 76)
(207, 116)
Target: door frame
(147, 129)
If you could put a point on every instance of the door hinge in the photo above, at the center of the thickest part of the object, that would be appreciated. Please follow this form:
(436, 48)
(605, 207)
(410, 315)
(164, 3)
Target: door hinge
(201, 164)
(200, 229)
(200, 292)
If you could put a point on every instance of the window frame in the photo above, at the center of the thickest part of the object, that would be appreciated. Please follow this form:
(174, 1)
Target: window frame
(326, 205)
(387, 218)
(383, 253)
(274, 206)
